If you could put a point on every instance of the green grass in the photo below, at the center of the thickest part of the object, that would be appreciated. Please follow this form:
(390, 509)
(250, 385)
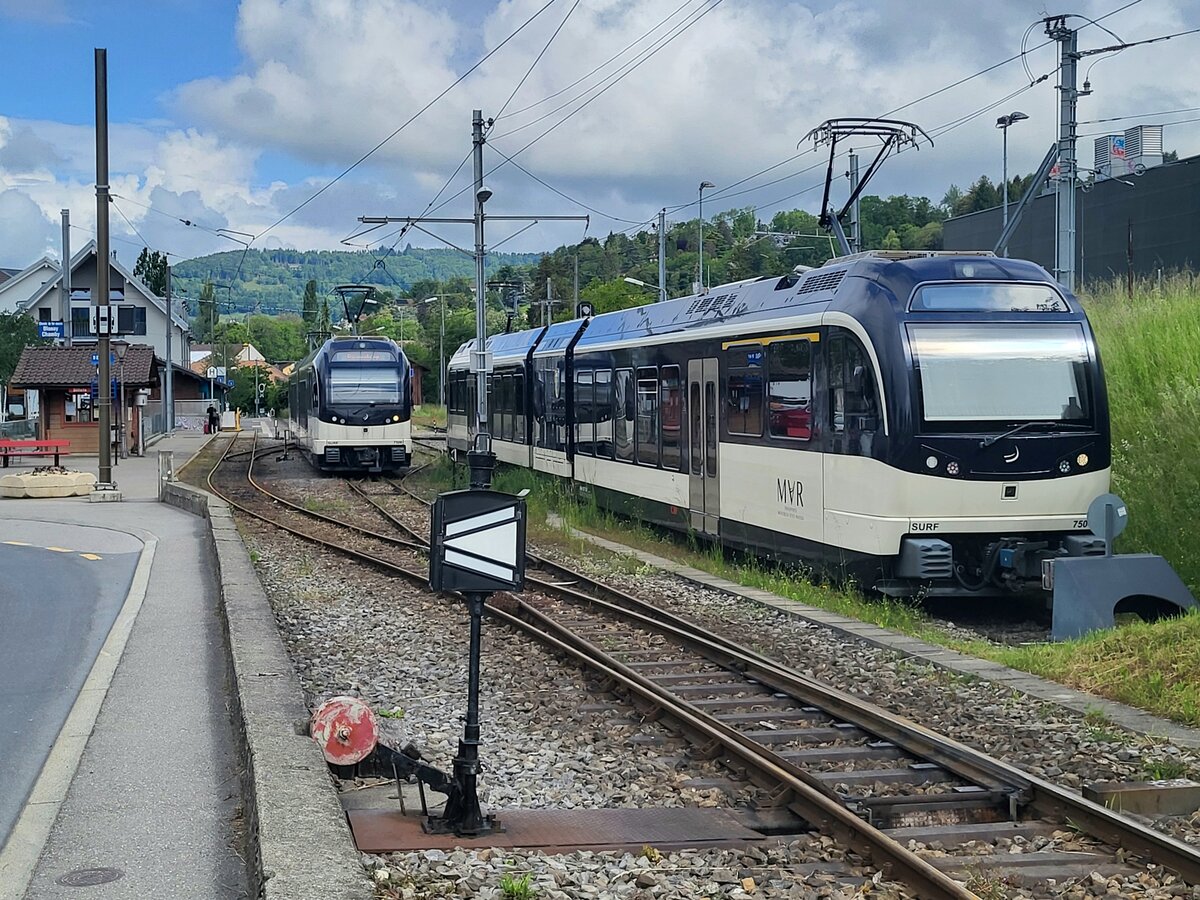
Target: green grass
(1150, 346)
(429, 415)
(517, 887)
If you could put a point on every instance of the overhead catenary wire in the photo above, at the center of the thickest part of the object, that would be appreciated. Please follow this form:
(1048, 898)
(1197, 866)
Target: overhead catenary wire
(459, 80)
(585, 104)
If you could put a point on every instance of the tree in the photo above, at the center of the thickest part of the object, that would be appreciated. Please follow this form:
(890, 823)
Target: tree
(16, 333)
(204, 325)
(151, 269)
(324, 322)
(310, 305)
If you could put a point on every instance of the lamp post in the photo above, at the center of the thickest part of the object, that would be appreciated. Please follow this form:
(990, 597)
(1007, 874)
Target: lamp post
(1003, 124)
(700, 281)
(119, 347)
(657, 288)
(441, 349)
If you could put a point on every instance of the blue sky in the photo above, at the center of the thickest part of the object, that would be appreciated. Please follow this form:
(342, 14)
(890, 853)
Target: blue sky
(229, 114)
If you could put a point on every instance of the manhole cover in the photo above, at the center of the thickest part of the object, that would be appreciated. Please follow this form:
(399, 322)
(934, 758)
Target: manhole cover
(88, 877)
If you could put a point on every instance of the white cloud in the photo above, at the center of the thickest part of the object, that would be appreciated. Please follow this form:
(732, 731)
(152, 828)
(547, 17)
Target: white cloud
(322, 81)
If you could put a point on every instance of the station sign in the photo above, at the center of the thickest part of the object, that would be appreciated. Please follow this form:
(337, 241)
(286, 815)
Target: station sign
(478, 540)
(51, 330)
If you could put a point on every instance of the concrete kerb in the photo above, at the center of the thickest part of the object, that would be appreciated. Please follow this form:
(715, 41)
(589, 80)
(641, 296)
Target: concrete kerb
(298, 840)
(1135, 720)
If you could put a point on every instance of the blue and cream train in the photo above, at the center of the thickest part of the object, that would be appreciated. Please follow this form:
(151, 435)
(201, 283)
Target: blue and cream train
(928, 422)
(350, 406)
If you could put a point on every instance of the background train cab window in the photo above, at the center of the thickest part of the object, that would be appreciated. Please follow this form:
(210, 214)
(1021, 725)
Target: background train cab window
(671, 413)
(647, 416)
(624, 401)
(853, 402)
(744, 390)
(789, 394)
(363, 384)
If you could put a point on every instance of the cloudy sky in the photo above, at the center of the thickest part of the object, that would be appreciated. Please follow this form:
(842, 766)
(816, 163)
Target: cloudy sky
(230, 115)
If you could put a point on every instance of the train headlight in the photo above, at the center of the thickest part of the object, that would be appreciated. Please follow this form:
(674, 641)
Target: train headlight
(395, 418)
(1081, 460)
(931, 462)
(952, 468)
(1064, 467)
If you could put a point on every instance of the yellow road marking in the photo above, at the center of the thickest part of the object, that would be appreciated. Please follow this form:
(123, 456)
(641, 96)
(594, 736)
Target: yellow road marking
(61, 549)
(90, 556)
(19, 543)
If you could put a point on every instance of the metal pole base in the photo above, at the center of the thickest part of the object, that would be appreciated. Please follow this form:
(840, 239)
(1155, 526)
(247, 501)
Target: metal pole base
(463, 815)
(481, 464)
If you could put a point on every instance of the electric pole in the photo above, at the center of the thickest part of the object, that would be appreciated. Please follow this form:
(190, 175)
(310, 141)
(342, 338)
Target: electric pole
(855, 226)
(65, 306)
(662, 255)
(103, 374)
(480, 459)
(168, 391)
(1064, 255)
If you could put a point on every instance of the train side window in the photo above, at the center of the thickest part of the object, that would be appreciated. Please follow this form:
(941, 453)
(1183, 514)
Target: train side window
(493, 407)
(853, 401)
(519, 407)
(623, 415)
(671, 414)
(744, 391)
(647, 416)
(695, 413)
(789, 393)
(585, 428)
(506, 407)
(316, 392)
(710, 428)
(602, 412)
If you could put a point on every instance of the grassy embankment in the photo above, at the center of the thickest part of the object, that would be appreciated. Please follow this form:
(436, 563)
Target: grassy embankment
(1151, 351)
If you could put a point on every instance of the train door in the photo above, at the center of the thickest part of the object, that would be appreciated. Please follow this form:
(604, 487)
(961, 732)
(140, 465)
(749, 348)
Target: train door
(704, 482)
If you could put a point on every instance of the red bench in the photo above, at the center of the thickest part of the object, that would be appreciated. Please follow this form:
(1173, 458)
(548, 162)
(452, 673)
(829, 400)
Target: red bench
(34, 448)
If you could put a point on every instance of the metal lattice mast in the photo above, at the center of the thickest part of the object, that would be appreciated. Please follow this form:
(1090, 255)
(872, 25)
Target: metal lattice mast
(1064, 256)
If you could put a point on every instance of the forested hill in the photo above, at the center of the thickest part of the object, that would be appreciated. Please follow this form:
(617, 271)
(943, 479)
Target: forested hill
(275, 279)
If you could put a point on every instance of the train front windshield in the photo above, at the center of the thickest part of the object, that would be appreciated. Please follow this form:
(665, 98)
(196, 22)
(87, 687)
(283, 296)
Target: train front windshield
(363, 384)
(1002, 372)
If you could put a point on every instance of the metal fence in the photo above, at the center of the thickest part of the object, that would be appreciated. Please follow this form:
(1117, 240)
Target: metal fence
(189, 415)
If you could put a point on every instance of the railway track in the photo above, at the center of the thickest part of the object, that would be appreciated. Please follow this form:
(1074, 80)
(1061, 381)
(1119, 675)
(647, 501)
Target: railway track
(872, 780)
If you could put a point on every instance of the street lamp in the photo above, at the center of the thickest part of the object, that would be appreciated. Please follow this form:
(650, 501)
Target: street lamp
(700, 281)
(1003, 123)
(657, 288)
(441, 350)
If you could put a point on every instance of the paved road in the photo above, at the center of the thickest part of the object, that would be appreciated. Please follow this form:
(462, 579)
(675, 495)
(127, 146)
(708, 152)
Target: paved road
(61, 587)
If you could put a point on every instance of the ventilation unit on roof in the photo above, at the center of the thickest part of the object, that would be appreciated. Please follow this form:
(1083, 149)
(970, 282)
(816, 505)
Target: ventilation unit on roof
(1131, 153)
(822, 281)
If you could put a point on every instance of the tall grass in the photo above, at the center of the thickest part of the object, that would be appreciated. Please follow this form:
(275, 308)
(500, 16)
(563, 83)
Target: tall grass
(1150, 346)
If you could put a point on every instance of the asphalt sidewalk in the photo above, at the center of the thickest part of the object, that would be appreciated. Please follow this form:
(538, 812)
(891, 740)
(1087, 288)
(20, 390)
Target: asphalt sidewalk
(144, 775)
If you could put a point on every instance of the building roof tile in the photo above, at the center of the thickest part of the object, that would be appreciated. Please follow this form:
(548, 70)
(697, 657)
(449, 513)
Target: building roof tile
(41, 367)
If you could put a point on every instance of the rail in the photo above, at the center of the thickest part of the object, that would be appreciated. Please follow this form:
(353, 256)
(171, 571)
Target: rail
(992, 781)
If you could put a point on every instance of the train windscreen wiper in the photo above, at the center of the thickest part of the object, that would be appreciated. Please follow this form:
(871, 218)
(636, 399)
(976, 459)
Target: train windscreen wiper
(988, 441)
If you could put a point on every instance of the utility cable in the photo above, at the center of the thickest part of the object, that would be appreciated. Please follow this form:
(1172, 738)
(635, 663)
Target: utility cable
(536, 60)
(406, 123)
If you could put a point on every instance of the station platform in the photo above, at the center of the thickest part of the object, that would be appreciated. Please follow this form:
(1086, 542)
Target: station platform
(121, 763)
